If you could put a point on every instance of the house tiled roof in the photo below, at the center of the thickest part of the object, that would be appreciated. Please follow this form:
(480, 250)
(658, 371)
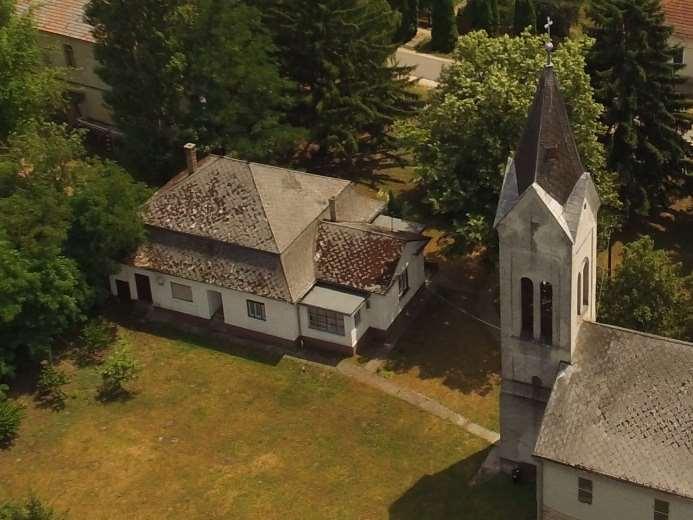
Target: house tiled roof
(363, 257)
(547, 153)
(63, 17)
(624, 409)
(250, 205)
(213, 262)
(679, 14)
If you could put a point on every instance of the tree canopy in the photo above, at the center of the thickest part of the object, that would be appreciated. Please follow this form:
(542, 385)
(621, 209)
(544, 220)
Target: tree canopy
(462, 140)
(649, 292)
(409, 19)
(636, 79)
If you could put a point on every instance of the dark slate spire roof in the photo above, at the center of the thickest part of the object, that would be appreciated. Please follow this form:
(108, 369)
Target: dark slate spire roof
(547, 153)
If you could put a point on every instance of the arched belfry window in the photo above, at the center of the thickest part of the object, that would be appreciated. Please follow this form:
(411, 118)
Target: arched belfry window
(527, 307)
(579, 294)
(546, 307)
(586, 284)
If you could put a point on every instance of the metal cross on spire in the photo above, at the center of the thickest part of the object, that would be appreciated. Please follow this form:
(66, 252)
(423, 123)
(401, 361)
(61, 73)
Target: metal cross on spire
(549, 43)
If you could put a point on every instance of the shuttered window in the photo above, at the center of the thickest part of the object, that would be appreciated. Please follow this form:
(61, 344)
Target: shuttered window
(181, 292)
(584, 490)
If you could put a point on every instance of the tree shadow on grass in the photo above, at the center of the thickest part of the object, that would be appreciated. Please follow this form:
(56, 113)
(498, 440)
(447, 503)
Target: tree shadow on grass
(450, 494)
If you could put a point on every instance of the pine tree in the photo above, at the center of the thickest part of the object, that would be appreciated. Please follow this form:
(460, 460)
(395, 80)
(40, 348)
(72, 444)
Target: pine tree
(635, 78)
(525, 16)
(409, 11)
(481, 15)
(338, 53)
(444, 31)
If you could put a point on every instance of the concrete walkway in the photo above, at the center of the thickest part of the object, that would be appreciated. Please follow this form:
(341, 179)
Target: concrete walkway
(426, 404)
(427, 67)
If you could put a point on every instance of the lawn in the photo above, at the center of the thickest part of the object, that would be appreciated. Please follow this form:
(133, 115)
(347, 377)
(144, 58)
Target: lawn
(215, 432)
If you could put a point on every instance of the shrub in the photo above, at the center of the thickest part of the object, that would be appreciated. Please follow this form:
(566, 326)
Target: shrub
(32, 509)
(95, 337)
(10, 417)
(119, 368)
(49, 390)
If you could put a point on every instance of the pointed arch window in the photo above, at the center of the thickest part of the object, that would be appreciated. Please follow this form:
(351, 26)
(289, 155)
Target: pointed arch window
(586, 283)
(527, 308)
(546, 307)
(579, 294)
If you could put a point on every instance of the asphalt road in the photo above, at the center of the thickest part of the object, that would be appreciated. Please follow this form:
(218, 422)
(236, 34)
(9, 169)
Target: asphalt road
(428, 67)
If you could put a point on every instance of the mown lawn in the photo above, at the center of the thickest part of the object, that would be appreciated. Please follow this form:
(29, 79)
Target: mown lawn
(211, 434)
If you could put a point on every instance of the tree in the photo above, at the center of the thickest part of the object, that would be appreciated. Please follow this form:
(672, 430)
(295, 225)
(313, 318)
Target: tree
(444, 27)
(119, 368)
(480, 15)
(190, 71)
(563, 13)
(649, 293)
(29, 90)
(462, 141)
(636, 79)
(409, 21)
(339, 54)
(525, 16)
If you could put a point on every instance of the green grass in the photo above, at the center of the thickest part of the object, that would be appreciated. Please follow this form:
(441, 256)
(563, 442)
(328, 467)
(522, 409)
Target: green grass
(212, 434)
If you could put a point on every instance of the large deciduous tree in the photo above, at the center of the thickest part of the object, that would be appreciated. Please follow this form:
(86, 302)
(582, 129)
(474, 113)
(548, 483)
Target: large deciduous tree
(636, 79)
(462, 140)
(29, 90)
(180, 70)
(649, 292)
(339, 54)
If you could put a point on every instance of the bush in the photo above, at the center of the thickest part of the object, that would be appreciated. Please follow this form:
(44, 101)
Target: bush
(119, 368)
(49, 390)
(10, 417)
(32, 509)
(96, 336)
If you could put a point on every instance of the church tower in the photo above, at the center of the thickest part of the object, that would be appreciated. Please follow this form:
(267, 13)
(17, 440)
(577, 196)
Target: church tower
(547, 227)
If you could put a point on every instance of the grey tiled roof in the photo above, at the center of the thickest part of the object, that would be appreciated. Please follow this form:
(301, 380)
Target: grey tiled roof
(213, 262)
(360, 256)
(250, 205)
(624, 409)
(547, 153)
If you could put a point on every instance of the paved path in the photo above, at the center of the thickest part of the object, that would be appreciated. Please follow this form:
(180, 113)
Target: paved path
(426, 404)
(427, 66)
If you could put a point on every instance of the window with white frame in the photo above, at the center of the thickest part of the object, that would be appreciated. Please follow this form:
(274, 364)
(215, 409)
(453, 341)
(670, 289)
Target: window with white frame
(584, 490)
(181, 292)
(680, 56)
(403, 282)
(326, 321)
(661, 510)
(357, 318)
(256, 310)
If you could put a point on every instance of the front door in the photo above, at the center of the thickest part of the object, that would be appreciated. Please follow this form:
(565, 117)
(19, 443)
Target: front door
(144, 289)
(123, 290)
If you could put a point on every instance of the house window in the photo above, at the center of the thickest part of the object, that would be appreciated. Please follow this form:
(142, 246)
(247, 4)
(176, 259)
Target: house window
(661, 510)
(69, 53)
(584, 490)
(403, 281)
(256, 310)
(679, 56)
(586, 282)
(357, 318)
(181, 292)
(546, 296)
(326, 321)
(527, 302)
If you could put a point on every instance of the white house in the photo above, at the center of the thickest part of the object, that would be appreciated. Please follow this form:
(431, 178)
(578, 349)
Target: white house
(679, 15)
(601, 415)
(273, 253)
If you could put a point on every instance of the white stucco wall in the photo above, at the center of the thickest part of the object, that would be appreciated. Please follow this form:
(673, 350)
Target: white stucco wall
(281, 316)
(385, 308)
(611, 499)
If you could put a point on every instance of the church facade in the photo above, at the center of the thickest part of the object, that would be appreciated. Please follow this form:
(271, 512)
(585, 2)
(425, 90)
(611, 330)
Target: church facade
(603, 417)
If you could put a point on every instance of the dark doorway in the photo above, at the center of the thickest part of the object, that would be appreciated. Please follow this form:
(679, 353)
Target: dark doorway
(144, 289)
(123, 290)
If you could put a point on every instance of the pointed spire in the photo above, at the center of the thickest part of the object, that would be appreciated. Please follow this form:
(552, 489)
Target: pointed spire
(547, 153)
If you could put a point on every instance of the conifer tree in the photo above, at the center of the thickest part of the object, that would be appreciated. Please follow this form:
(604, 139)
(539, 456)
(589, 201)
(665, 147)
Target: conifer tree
(636, 80)
(339, 54)
(409, 11)
(481, 15)
(444, 31)
(525, 16)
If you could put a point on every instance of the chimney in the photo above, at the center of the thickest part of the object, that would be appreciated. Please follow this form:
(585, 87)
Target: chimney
(333, 209)
(191, 157)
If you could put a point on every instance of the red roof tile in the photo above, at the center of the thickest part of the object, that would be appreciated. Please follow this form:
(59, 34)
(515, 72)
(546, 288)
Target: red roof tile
(64, 17)
(679, 14)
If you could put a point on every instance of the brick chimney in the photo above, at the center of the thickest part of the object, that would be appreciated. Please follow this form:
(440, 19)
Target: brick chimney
(191, 157)
(333, 209)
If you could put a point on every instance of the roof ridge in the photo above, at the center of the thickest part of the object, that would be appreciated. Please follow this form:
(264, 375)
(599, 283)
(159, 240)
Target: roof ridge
(358, 226)
(264, 211)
